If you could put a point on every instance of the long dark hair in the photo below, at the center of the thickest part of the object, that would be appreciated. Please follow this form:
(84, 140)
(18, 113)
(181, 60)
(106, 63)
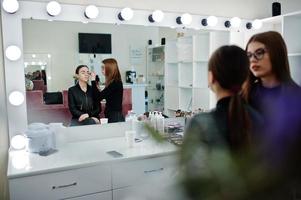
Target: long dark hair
(275, 45)
(111, 70)
(229, 66)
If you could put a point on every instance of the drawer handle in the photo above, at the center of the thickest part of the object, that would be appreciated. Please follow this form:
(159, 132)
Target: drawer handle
(64, 186)
(154, 170)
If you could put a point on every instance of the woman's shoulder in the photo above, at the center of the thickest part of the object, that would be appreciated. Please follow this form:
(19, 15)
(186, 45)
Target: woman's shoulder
(203, 120)
(73, 88)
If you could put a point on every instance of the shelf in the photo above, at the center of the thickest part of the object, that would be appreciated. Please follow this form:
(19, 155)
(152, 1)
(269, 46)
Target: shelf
(172, 85)
(156, 75)
(185, 61)
(155, 89)
(294, 54)
(201, 61)
(185, 87)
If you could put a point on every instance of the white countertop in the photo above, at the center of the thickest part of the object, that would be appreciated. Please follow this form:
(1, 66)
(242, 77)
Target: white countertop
(83, 154)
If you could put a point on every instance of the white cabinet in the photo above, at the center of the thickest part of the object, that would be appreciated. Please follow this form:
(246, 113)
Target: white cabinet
(97, 196)
(186, 70)
(289, 26)
(104, 181)
(137, 172)
(155, 78)
(60, 185)
(144, 179)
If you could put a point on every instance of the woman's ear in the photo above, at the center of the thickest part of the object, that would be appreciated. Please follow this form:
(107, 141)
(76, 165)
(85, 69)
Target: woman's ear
(76, 76)
(210, 79)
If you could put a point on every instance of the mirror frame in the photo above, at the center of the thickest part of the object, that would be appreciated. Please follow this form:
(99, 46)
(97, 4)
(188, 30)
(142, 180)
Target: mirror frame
(12, 35)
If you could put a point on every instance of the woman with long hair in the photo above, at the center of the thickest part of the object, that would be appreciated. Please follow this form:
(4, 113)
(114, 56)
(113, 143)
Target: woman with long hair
(211, 139)
(271, 90)
(113, 91)
(84, 110)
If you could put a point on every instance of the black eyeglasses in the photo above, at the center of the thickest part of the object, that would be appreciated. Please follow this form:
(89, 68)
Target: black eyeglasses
(258, 54)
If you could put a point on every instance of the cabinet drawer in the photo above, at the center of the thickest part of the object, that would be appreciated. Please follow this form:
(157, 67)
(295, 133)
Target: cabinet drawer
(59, 185)
(149, 170)
(97, 196)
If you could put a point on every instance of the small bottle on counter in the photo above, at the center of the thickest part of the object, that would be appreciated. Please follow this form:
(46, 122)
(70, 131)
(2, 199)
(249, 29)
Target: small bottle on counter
(160, 123)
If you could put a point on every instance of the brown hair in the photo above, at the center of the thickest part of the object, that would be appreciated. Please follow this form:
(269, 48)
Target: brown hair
(79, 67)
(111, 70)
(277, 50)
(229, 66)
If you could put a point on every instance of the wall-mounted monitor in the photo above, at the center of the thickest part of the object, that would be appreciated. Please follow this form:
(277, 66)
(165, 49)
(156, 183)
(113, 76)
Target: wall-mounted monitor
(95, 43)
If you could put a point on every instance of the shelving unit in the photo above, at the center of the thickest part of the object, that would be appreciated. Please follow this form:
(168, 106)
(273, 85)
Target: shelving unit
(186, 71)
(291, 33)
(155, 78)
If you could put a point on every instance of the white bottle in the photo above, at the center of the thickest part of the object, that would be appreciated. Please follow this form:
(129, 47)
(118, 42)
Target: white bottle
(129, 118)
(135, 125)
(154, 120)
(160, 123)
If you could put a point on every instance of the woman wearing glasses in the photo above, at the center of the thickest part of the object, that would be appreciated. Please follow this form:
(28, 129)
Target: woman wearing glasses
(271, 90)
(80, 100)
(113, 91)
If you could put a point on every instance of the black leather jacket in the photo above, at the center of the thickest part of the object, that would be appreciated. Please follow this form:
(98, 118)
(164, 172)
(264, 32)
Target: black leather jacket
(81, 102)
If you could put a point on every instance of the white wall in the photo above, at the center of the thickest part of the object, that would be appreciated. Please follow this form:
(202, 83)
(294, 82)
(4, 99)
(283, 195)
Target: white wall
(248, 9)
(60, 39)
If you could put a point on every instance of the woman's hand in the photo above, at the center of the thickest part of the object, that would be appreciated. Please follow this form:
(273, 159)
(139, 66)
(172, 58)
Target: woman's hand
(83, 117)
(93, 76)
(96, 120)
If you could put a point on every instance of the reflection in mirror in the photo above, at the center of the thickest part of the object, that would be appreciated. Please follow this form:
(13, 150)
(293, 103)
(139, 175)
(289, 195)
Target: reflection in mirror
(60, 40)
(37, 72)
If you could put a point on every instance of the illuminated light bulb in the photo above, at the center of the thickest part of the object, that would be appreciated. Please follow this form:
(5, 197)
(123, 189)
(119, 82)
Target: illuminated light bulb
(10, 6)
(126, 14)
(91, 12)
(13, 53)
(257, 24)
(16, 98)
(212, 21)
(235, 22)
(156, 16)
(53, 8)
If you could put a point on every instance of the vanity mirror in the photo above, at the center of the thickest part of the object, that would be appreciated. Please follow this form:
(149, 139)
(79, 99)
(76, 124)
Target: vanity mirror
(14, 33)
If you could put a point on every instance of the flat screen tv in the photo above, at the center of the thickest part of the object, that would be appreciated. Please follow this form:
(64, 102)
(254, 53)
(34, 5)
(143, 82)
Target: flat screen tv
(94, 43)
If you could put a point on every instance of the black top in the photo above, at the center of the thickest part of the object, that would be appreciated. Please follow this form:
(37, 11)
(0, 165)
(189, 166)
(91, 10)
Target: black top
(113, 94)
(81, 102)
(212, 127)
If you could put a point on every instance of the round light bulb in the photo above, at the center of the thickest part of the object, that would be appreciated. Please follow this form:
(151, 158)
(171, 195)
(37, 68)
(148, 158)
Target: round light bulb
(53, 8)
(158, 15)
(18, 142)
(91, 12)
(212, 21)
(16, 98)
(49, 77)
(186, 19)
(49, 55)
(257, 24)
(235, 22)
(127, 14)
(42, 67)
(10, 6)
(13, 53)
